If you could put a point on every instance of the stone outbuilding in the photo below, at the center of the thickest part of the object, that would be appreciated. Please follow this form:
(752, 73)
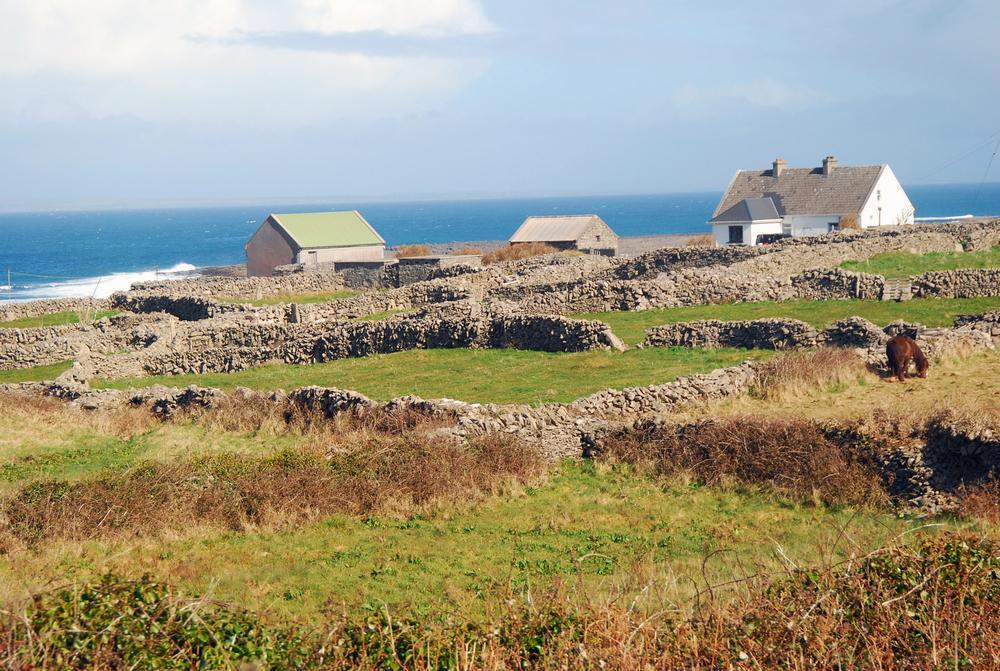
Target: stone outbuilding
(310, 239)
(765, 205)
(587, 233)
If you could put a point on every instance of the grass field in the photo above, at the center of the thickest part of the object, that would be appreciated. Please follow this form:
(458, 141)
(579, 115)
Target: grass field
(53, 319)
(631, 326)
(599, 524)
(35, 373)
(474, 375)
(280, 299)
(904, 264)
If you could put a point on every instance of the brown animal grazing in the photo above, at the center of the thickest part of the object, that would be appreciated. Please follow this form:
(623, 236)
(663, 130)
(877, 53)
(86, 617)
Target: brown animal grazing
(901, 350)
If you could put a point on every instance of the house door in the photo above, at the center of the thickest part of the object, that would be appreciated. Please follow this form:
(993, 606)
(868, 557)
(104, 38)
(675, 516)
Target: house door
(311, 258)
(736, 235)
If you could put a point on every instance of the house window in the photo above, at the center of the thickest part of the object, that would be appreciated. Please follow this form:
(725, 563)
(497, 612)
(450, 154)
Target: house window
(736, 235)
(833, 226)
(878, 195)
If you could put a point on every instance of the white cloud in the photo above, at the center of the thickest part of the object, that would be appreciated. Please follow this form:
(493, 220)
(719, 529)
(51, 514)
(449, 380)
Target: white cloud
(170, 61)
(761, 93)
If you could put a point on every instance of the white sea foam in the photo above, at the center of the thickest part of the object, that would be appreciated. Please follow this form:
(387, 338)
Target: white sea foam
(98, 287)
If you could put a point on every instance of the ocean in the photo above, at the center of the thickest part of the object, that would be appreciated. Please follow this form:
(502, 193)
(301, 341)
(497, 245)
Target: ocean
(93, 253)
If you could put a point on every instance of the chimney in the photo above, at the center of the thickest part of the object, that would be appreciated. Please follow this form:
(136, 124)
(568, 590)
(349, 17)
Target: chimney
(778, 167)
(829, 163)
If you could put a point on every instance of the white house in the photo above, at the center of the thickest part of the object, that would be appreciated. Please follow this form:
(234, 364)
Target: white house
(786, 201)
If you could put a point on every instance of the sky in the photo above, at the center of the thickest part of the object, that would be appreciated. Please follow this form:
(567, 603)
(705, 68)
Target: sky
(124, 103)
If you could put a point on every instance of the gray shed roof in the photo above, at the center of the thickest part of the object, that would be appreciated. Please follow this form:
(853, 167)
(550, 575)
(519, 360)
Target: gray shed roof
(559, 228)
(805, 190)
(749, 209)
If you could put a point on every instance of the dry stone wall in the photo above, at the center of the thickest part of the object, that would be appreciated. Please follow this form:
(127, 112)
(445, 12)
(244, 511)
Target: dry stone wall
(23, 348)
(185, 308)
(837, 284)
(237, 346)
(965, 283)
(249, 288)
(22, 310)
(751, 334)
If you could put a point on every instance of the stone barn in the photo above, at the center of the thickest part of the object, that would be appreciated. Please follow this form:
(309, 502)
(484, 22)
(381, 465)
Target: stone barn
(585, 232)
(312, 238)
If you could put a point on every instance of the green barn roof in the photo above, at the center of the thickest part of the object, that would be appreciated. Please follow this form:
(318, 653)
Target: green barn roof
(328, 229)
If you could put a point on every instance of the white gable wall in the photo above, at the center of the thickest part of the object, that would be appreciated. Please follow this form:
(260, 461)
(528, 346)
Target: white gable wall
(887, 204)
(751, 230)
(332, 254)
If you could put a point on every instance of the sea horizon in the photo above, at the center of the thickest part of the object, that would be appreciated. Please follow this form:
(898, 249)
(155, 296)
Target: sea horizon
(93, 252)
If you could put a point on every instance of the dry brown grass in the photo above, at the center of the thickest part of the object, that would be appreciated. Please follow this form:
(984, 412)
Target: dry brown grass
(367, 475)
(797, 372)
(791, 457)
(981, 501)
(518, 252)
(466, 250)
(703, 240)
(30, 417)
(407, 251)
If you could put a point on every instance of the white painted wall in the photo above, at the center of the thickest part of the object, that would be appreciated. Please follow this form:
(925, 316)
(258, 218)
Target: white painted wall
(750, 231)
(889, 196)
(328, 254)
(803, 225)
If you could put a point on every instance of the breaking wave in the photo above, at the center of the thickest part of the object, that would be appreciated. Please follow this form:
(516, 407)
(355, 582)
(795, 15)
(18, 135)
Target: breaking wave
(97, 287)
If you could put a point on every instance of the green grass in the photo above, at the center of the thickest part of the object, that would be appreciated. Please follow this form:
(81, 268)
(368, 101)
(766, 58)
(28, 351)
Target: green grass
(52, 319)
(280, 299)
(376, 316)
(35, 373)
(483, 376)
(904, 264)
(588, 523)
(631, 326)
(68, 452)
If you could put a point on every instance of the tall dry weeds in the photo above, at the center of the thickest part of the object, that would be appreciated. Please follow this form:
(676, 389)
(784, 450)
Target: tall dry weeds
(800, 372)
(791, 457)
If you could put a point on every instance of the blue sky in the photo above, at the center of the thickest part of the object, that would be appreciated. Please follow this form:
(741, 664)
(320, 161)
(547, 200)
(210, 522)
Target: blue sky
(113, 102)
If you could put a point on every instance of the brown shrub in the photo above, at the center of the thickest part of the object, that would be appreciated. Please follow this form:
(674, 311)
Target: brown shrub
(407, 251)
(980, 501)
(792, 374)
(849, 222)
(792, 457)
(703, 240)
(524, 250)
(381, 473)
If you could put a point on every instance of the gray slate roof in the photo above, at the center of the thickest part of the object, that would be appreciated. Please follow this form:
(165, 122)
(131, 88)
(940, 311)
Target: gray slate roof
(749, 209)
(559, 228)
(805, 190)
